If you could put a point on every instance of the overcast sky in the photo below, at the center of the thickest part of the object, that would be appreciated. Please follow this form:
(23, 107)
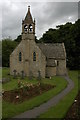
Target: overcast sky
(47, 15)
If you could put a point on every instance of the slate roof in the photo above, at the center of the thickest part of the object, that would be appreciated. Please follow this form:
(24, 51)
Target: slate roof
(55, 51)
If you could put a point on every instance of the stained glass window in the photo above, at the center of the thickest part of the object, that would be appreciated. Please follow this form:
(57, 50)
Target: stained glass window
(20, 56)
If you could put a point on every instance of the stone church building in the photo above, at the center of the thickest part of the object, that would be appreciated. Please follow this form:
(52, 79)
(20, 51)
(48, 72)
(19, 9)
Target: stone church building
(37, 58)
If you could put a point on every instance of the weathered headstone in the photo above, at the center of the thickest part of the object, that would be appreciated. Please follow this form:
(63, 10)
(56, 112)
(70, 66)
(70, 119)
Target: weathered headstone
(30, 75)
(5, 80)
(39, 75)
(14, 73)
(22, 74)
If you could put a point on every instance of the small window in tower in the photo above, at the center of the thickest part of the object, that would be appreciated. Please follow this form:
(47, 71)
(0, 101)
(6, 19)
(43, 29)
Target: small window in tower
(30, 27)
(20, 56)
(34, 56)
(57, 63)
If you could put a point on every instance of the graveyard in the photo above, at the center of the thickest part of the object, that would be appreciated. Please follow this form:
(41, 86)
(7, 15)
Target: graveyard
(21, 94)
(56, 84)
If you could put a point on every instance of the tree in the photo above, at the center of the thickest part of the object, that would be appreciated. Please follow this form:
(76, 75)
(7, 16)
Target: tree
(7, 47)
(18, 39)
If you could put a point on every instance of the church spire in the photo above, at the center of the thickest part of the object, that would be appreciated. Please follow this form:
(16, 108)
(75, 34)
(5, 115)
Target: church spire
(28, 18)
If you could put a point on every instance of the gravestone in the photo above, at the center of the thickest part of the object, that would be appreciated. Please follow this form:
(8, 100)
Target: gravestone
(14, 74)
(22, 74)
(39, 75)
(30, 75)
(5, 80)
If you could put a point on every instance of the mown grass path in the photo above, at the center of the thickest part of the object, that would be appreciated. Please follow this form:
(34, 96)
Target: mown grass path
(52, 102)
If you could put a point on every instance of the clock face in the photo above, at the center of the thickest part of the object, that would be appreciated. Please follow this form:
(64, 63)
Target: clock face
(25, 28)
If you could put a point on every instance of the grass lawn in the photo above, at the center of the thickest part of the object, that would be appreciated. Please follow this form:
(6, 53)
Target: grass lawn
(13, 83)
(60, 110)
(79, 79)
(0, 91)
(10, 110)
(5, 72)
(0, 73)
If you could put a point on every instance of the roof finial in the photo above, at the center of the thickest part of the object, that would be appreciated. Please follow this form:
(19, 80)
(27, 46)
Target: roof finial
(29, 8)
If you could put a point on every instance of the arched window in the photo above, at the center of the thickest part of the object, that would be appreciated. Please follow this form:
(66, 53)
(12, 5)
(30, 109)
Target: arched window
(20, 56)
(30, 27)
(25, 28)
(34, 56)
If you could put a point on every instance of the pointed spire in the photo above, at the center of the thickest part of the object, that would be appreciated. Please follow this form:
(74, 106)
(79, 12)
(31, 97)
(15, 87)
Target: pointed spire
(28, 17)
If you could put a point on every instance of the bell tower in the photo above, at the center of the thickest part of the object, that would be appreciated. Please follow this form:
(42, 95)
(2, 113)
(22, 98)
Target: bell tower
(28, 27)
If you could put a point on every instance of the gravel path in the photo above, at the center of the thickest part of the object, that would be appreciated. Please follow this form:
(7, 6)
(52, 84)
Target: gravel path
(35, 112)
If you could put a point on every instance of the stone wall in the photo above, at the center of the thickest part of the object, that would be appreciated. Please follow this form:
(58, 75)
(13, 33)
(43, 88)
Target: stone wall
(26, 36)
(17, 65)
(61, 67)
(40, 63)
(50, 71)
(27, 47)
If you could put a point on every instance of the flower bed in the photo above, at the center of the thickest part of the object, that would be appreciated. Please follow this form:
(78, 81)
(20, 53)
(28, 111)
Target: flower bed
(25, 91)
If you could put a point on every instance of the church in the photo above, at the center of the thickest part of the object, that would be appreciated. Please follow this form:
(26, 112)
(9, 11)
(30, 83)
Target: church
(33, 58)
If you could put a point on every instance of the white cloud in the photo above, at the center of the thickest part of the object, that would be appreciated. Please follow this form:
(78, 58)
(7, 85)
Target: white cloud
(46, 14)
